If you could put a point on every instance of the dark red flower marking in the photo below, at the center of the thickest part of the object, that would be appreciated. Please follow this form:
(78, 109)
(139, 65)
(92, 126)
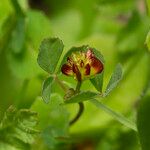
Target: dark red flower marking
(66, 69)
(82, 65)
(97, 65)
(87, 69)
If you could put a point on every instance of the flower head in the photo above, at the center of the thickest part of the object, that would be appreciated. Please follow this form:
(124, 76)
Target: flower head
(82, 65)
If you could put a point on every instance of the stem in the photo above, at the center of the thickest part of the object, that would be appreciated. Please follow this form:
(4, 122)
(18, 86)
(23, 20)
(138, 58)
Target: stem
(61, 84)
(119, 117)
(81, 105)
(17, 8)
(81, 108)
(78, 87)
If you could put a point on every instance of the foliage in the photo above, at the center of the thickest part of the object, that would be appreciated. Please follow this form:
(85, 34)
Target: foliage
(143, 121)
(117, 31)
(17, 129)
(115, 78)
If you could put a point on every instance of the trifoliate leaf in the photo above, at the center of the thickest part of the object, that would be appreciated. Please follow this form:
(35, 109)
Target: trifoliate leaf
(49, 54)
(114, 80)
(46, 90)
(97, 81)
(82, 96)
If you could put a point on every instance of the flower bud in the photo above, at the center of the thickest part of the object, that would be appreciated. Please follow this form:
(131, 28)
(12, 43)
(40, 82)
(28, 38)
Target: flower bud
(82, 65)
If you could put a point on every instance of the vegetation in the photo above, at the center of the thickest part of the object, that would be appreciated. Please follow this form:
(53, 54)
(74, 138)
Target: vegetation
(74, 75)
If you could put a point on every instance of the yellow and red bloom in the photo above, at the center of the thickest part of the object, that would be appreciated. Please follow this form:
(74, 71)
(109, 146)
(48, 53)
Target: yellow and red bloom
(82, 65)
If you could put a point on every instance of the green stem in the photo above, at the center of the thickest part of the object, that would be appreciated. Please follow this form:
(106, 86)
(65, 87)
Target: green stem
(78, 87)
(119, 117)
(17, 8)
(76, 118)
(61, 84)
(81, 106)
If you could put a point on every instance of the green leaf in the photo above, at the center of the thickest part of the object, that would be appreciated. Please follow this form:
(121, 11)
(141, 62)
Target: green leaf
(114, 80)
(6, 31)
(72, 25)
(35, 33)
(17, 39)
(119, 117)
(54, 137)
(97, 81)
(98, 55)
(17, 8)
(49, 54)
(143, 122)
(18, 31)
(17, 129)
(148, 6)
(46, 90)
(132, 35)
(80, 97)
(54, 120)
(109, 2)
(24, 65)
(148, 40)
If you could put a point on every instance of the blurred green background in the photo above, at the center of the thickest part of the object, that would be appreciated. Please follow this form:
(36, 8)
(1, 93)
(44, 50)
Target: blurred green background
(117, 28)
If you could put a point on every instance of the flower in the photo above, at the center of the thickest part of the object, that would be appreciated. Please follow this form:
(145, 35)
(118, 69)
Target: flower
(82, 65)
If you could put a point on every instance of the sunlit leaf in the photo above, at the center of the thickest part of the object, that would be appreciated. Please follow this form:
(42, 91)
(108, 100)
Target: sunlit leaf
(49, 54)
(148, 40)
(114, 80)
(148, 5)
